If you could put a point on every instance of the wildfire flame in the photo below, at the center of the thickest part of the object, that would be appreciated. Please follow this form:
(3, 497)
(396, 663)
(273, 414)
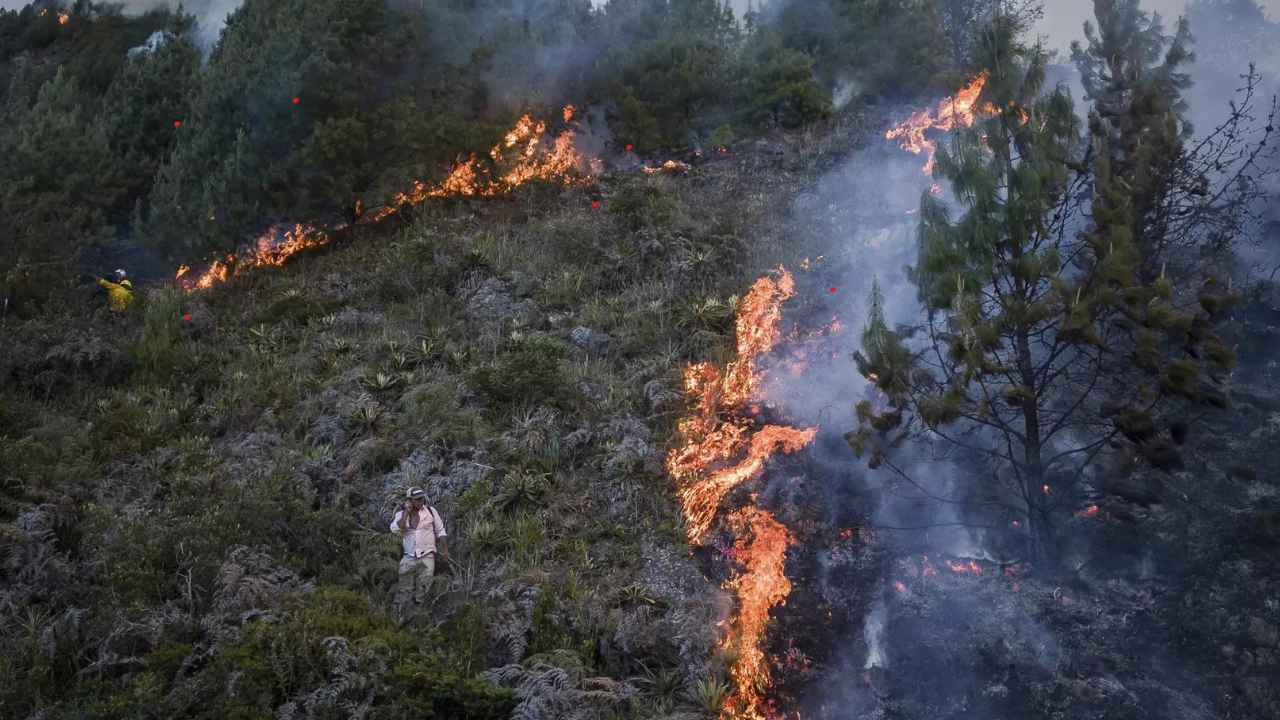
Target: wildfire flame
(272, 248)
(522, 154)
(668, 165)
(762, 542)
(719, 430)
(1091, 510)
(953, 112)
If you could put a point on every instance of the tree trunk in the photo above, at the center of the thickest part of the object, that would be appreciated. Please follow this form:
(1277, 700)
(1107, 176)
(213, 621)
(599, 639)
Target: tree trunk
(1040, 528)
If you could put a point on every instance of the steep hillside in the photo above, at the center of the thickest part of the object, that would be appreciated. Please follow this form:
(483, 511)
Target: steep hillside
(197, 495)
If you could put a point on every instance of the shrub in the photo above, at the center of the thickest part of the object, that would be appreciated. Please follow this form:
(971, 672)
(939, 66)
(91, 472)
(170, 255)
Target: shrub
(159, 350)
(643, 202)
(722, 136)
(529, 371)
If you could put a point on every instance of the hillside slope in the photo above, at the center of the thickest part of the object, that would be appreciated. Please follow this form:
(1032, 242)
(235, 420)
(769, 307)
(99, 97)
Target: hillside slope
(196, 495)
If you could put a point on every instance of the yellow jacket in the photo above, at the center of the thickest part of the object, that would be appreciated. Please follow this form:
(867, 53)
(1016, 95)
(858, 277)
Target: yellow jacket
(121, 295)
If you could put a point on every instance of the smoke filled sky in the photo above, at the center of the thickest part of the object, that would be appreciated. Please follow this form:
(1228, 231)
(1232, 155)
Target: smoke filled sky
(1062, 20)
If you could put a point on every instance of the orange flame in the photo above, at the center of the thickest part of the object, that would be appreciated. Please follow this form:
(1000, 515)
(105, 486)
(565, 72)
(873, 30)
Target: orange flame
(272, 248)
(719, 430)
(524, 157)
(952, 113)
(762, 542)
(1091, 510)
(529, 161)
(668, 165)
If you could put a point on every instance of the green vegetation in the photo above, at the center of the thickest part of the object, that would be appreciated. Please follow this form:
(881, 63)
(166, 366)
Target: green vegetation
(313, 111)
(1036, 331)
(207, 499)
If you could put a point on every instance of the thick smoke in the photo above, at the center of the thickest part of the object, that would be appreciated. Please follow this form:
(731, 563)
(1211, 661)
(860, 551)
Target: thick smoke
(860, 216)
(210, 15)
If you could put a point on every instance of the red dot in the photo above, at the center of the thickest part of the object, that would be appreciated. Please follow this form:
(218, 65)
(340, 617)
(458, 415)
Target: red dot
(186, 317)
(295, 101)
(833, 289)
(628, 147)
(176, 123)
(595, 204)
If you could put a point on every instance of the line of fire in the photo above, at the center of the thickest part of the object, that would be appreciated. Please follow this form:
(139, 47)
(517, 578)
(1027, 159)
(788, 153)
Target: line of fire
(733, 442)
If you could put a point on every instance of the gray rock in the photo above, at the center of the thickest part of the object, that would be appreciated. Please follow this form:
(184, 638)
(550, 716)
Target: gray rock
(492, 304)
(590, 340)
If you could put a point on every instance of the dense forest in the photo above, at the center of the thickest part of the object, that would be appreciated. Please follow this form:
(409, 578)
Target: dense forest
(730, 410)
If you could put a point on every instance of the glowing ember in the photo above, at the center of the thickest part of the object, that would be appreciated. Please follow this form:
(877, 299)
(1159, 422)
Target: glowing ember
(964, 568)
(62, 18)
(952, 113)
(1091, 510)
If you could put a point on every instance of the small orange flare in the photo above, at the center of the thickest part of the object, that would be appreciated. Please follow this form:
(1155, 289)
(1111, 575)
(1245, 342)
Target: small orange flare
(1091, 510)
(1046, 489)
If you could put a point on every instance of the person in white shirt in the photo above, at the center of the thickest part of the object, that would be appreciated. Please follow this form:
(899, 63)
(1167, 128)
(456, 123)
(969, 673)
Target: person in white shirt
(420, 530)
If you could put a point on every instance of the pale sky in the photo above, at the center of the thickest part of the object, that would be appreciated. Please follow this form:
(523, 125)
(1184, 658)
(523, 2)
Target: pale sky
(1062, 21)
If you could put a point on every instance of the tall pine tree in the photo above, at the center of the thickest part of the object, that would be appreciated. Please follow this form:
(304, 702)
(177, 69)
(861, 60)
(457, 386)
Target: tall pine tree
(1030, 321)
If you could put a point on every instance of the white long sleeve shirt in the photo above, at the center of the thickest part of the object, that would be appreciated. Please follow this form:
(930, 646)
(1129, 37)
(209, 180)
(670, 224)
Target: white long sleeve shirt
(421, 540)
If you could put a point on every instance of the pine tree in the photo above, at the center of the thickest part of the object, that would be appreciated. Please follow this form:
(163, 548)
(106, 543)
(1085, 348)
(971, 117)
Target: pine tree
(1032, 327)
(783, 87)
(57, 179)
(142, 105)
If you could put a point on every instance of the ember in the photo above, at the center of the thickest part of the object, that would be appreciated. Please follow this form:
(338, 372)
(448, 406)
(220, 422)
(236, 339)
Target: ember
(1091, 510)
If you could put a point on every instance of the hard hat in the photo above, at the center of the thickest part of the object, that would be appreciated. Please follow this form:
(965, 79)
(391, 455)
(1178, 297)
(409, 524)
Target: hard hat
(127, 284)
(120, 272)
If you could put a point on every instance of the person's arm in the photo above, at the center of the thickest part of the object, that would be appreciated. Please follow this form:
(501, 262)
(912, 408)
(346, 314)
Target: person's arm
(398, 522)
(442, 537)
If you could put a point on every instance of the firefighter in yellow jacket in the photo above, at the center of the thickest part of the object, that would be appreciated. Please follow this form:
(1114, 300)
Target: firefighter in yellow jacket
(120, 291)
